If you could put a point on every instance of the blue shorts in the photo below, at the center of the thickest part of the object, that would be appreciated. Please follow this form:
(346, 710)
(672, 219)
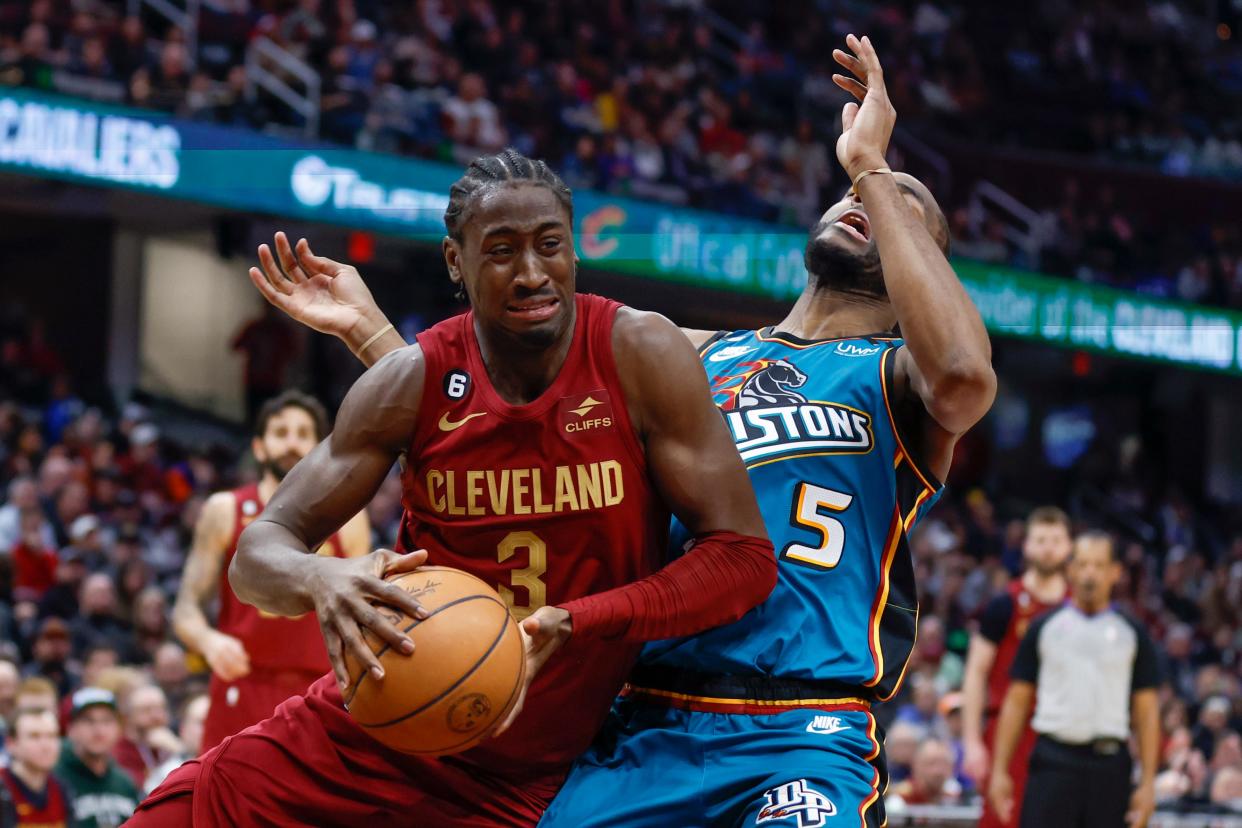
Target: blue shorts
(659, 765)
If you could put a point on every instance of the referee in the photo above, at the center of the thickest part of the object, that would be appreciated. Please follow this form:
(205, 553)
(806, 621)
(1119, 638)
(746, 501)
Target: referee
(1096, 673)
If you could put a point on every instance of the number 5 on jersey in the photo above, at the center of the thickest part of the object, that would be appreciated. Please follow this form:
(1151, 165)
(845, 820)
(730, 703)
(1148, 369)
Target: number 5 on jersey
(807, 513)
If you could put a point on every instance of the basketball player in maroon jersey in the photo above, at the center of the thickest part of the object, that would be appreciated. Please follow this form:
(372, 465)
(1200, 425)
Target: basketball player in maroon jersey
(545, 436)
(257, 660)
(1002, 625)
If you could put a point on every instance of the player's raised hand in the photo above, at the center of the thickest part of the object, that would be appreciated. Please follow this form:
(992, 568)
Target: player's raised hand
(866, 124)
(543, 633)
(346, 592)
(323, 294)
(226, 656)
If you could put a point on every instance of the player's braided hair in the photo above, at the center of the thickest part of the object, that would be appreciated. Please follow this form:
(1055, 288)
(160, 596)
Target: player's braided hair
(489, 171)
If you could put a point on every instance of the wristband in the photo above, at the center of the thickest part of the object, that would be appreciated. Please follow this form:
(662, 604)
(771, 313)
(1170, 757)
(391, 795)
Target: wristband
(866, 173)
(374, 337)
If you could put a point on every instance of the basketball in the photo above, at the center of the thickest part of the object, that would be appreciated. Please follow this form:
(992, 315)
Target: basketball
(464, 675)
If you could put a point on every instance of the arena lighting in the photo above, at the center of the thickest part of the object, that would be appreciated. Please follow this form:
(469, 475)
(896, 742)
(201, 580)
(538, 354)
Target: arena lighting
(241, 170)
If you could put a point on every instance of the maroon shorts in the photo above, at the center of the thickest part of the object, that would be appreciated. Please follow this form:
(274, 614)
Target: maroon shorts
(1017, 771)
(309, 764)
(236, 705)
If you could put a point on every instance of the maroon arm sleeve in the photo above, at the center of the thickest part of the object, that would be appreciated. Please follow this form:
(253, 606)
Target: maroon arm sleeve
(722, 576)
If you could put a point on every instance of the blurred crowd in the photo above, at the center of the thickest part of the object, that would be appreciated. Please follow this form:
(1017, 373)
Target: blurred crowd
(730, 107)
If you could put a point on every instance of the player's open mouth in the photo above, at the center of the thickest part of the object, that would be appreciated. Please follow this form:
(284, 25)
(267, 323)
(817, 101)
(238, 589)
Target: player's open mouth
(535, 310)
(856, 224)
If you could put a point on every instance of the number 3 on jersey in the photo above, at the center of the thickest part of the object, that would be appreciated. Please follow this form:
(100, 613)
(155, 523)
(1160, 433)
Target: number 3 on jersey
(806, 513)
(529, 576)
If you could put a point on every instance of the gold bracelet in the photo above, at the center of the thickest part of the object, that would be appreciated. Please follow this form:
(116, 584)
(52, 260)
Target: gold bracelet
(866, 173)
(374, 337)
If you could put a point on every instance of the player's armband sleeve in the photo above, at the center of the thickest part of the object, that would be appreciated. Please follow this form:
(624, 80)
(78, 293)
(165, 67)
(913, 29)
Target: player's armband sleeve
(722, 576)
(1146, 673)
(995, 618)
(1026, 663)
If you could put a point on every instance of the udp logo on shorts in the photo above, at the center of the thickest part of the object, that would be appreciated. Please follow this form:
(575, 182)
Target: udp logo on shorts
(796, 803)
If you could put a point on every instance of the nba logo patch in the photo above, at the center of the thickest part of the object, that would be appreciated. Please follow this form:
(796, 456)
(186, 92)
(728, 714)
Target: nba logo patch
(581, 413)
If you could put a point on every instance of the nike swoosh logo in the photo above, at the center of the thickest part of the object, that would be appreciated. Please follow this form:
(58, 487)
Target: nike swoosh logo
(448, 425)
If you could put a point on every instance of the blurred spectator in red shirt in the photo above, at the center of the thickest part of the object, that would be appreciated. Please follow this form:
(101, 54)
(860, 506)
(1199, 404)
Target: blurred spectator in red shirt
(34, 563)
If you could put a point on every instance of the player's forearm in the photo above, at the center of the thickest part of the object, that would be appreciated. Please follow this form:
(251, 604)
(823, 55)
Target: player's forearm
(940, 324)
(974, 689)
(1013, 718)
(274, 570)
(191, 625)
(364, 333)
(1147, 732)
(722, 577)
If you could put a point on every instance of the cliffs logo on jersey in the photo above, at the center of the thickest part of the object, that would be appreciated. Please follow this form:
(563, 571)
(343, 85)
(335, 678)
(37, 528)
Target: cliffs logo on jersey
(585, 412)
(771, 420)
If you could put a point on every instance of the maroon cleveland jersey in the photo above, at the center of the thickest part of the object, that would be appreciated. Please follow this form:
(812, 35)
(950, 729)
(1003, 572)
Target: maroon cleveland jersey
(51, 810)
(274, 643)
(1004, 622)
(547, 501)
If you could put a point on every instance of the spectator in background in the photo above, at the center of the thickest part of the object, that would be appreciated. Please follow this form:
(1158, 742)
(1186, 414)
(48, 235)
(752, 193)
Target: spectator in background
(103, 794)
(50, 655)
(473, 121)
(36, 798)
(900, 745)
(34, 564)
(23, 496)
(98, 621)
(86, 544)
(922, 711)
(931, 780)
(61, 600)
(268, 347)
(190, 736)
(148, 740)
(170, 672)
(1213, 724)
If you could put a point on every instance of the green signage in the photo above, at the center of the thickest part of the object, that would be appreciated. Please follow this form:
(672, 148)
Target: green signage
(64, 138)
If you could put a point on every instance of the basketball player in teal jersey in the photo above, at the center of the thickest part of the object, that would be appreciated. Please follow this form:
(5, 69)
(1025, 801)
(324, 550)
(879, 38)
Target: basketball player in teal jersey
(847, 432)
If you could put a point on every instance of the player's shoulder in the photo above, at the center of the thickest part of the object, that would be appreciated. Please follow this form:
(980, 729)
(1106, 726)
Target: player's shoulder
(645, 333)
(220, 504)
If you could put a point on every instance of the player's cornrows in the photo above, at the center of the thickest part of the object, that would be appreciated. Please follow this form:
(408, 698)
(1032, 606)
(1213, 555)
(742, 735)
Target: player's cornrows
(488, 171)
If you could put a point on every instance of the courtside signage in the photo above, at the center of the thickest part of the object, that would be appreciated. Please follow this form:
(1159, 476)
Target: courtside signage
(66, 138)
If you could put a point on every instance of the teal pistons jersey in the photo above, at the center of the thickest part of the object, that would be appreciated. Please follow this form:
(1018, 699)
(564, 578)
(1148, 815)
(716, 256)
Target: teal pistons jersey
(838, 492)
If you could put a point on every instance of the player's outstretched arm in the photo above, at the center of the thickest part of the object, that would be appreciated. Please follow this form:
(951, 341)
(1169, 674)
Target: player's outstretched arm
(699, 474)
(200, 581)
(947, 358)
(332, 298)
(273, 568)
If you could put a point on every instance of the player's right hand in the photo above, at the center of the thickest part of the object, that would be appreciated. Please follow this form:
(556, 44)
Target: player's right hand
(226, 656)
(318, 292)
(346, 591)
(1000, 793)
(975, 761)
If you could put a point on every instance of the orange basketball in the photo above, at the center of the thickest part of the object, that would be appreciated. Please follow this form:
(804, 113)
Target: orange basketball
(463, 677)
